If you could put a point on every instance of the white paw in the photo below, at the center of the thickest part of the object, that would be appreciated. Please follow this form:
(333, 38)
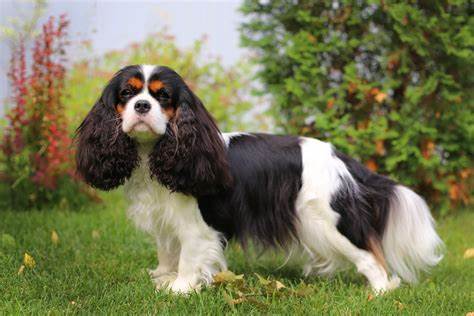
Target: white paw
(164, 280)
(393, 283)
(387, 286)
(183, 286)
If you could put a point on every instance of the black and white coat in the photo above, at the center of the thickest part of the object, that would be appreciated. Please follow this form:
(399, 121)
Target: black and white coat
(193, 189)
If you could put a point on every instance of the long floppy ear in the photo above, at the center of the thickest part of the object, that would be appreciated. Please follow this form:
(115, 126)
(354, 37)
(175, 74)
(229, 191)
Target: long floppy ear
(191, 157)
(105, 156)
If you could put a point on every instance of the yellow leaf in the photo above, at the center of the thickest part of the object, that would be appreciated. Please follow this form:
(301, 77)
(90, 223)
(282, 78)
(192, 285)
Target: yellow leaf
(279, 285)
(227, 277)
(54, 237)
(28, 261)
(262, 280)
(469, 253)
(22, 268)
(231, 301)
(399, 305)
(95, 234)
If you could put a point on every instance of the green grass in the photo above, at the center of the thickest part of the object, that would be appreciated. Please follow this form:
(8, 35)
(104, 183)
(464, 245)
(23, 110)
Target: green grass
(99, 265)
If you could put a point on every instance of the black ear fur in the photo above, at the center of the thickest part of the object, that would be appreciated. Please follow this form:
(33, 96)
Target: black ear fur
(191, 158)
(105, 156)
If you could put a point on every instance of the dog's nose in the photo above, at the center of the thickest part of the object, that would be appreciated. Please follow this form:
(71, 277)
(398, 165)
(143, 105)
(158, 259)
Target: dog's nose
(142, 106)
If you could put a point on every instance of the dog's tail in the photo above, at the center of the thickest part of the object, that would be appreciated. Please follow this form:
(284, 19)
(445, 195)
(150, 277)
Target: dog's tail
(410, 243)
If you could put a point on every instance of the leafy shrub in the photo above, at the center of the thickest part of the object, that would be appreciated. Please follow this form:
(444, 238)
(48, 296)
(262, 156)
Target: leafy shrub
(389, 82)
(225, 91)
(36, 145)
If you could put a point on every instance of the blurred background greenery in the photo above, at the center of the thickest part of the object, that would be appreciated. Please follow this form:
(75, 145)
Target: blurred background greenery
(388, 82)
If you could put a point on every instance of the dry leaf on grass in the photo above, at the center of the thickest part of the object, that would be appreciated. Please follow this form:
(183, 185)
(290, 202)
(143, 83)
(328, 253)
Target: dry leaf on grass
(95, 234)
(227, 277)
(233, 301)
(399, 305)
(370, 297)
(54, 237)
(22, 268)
(469, 253)
(29, 261)
(269, 284)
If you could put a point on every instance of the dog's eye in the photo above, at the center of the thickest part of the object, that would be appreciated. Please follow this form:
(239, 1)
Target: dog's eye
(162, 94)
(125, 93)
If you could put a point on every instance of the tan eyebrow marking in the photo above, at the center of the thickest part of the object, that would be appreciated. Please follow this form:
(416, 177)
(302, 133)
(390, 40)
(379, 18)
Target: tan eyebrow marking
(135, 82)
(155, 85)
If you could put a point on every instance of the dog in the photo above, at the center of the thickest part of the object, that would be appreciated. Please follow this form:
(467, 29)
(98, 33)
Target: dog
(194, 188)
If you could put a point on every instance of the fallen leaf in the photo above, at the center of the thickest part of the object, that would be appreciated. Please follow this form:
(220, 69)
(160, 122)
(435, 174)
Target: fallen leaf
(399, 305)
(95, 234)
(73, 303)
(370, 297)
(469, 253)
(227, 277)
(262, 280)
(231, 301)
(279, 285)
(29, 261)
(22, 268)
(54, 237)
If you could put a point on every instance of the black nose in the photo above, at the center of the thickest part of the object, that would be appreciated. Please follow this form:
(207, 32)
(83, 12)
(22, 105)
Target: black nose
(142, 106)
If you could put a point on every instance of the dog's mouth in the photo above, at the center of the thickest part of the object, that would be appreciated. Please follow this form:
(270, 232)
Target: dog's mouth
(141, 127)
(143, 132)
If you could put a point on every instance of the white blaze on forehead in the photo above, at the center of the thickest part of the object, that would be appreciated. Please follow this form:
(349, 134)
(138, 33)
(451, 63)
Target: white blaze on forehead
(147, 71)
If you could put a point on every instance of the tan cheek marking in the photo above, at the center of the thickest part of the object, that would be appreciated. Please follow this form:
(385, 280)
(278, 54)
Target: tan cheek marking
(169, 112)
(155, 85)
(119, 108)
(135, 82)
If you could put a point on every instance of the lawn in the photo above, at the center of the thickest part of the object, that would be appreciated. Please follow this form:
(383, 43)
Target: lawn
(97, 265)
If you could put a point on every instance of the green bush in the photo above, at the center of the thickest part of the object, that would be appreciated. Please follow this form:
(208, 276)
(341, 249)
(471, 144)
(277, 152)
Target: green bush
(389, 82)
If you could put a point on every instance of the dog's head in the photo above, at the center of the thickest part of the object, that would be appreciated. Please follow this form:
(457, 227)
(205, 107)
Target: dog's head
(151, 106)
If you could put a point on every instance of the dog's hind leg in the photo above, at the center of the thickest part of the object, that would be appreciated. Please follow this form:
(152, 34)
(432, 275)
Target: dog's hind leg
(319, 235)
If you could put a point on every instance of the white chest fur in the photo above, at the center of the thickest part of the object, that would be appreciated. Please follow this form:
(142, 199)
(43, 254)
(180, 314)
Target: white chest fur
(175, 221)
(152, 206)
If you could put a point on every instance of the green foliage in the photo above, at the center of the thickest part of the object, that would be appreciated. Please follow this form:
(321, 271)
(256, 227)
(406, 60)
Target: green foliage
(389, 82)
(224, 91)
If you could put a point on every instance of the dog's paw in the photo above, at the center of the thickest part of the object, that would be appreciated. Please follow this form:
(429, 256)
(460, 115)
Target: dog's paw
(164, 280)
(392, 284)
(183, 286)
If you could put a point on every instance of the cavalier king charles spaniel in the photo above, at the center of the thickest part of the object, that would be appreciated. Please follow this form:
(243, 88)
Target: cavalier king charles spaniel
(194, 188)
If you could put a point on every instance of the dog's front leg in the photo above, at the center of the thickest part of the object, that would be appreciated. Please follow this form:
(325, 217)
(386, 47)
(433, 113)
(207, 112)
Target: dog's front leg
(168, 250)
(201, 253)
